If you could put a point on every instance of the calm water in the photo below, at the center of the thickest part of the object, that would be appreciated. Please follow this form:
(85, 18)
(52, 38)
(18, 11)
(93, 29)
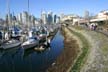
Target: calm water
(18, 60)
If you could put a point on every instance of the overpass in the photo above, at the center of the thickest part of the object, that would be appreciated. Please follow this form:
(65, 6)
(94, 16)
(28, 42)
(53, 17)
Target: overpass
(98, 19)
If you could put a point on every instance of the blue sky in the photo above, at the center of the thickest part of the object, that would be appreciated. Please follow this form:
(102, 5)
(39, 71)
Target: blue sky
(57, 6)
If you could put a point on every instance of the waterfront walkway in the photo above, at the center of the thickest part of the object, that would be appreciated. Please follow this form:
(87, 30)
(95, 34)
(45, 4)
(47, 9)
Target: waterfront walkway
(84, 51)
(97, 57)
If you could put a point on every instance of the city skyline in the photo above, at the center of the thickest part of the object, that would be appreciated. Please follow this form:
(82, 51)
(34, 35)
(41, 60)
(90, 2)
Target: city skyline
(56, 6)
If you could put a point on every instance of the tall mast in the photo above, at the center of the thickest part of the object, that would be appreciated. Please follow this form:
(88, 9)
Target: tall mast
(28, 6)
(8, 19)
(8, 12)
(13, 19)
(28, 15)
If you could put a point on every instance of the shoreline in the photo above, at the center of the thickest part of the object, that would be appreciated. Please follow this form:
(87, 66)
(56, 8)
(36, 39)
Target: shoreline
(68, 55)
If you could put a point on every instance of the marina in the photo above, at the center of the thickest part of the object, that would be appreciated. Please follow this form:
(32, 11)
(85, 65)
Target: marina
(53, 36)
(20, 60)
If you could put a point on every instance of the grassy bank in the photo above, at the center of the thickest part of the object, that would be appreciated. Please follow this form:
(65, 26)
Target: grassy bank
(80, 61)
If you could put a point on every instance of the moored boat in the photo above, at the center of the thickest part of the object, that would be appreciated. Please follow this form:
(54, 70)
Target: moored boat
(10, 44)
(30, 43)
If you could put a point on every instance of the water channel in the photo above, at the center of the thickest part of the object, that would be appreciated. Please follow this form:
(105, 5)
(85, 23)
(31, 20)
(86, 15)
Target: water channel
(19, 60)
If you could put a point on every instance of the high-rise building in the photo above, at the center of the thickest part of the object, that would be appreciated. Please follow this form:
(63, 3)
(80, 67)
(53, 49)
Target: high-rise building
(44, 17)
(19, 17)
(62, 15)
(32, 20)
(25, 17)
(50, 18)
(58, 19)
(37, 21)
(14, 19)
(86, 14)
(55, 18)
(1, 21)
(9, 19)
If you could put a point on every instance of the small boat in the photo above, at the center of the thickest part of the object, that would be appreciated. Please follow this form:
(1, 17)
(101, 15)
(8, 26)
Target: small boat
(43, 35)
(6, 43)
(43, 46)
(42, 38)
(30, 43)
(10, 44)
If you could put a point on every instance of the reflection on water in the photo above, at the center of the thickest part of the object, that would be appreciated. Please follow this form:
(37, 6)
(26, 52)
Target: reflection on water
(18, 60)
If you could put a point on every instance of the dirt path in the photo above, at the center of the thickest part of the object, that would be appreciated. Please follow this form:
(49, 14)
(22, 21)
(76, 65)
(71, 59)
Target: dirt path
(97, 60)
(76, 67)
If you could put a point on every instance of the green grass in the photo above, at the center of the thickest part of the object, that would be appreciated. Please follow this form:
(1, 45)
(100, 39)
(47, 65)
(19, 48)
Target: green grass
(104, 49)
(78, 27)
(80, 61)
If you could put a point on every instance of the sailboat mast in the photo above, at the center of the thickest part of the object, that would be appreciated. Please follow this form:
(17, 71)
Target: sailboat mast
(8, 20)
(28, 6)
(28, 15)
(8, 12)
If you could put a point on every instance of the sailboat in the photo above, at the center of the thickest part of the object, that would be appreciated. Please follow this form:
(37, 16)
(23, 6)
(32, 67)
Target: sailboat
(32, 40)
(7, 42)
(15, 29)
(44, 42)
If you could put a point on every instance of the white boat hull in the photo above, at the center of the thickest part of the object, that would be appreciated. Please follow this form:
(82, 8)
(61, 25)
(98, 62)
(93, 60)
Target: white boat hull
(30, 44)
(12, 44)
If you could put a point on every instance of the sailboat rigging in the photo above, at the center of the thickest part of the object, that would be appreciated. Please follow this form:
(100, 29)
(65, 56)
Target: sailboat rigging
(9, 43)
